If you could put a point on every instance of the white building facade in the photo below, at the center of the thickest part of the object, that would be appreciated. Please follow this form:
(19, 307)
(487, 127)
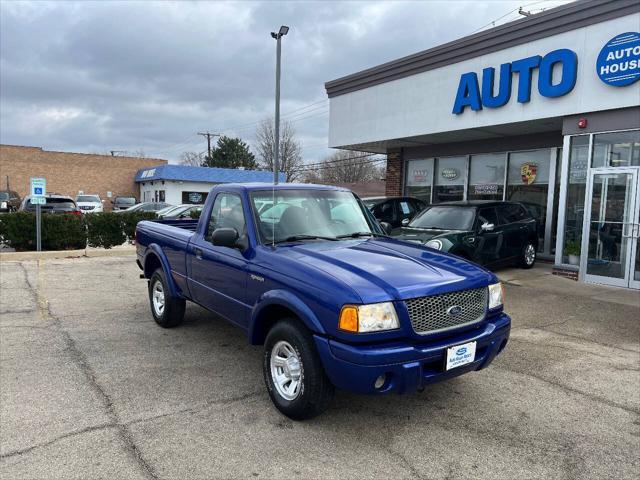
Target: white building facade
(544, 110)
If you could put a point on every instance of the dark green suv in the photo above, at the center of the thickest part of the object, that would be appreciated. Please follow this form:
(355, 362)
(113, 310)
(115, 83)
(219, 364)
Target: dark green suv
(485, 232)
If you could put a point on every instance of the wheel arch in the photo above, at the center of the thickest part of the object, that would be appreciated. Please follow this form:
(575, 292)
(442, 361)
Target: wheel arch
(155, 258)
(276, 305)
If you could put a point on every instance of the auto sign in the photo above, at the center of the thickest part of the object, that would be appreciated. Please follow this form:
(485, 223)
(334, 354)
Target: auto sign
(618, 63)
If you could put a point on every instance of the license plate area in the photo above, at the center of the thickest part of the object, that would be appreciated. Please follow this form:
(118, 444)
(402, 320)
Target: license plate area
(460, 355)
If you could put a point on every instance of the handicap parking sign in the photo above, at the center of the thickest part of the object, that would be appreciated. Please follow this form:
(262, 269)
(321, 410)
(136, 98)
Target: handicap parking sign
(38, 187)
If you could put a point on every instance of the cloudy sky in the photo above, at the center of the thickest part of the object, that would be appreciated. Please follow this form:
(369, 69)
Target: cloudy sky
(95, 76)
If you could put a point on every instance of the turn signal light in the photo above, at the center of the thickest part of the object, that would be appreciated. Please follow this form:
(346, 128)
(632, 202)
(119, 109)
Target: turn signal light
(349, 319)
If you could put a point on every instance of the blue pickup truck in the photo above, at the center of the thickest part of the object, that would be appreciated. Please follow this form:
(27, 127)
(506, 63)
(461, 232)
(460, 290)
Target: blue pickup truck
(309, 273)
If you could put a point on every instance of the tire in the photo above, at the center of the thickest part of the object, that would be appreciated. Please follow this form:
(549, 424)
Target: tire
(528, 255)
(290, 340)
(167, 311)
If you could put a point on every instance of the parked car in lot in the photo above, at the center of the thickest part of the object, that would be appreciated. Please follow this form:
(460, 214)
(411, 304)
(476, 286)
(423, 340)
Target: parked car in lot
(90, 203)
(146, 207)
(122, 203)
(334, 301)
(9, 201)
(394, 210)
(55, 204)
(486, 232)
(181, 211)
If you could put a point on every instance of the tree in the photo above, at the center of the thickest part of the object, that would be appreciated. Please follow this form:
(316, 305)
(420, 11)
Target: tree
(192, 159)
(347, 167)
(290, 149)
(231, 153)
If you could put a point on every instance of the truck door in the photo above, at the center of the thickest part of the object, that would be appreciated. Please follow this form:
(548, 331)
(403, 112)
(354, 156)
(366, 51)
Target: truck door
(218, 275)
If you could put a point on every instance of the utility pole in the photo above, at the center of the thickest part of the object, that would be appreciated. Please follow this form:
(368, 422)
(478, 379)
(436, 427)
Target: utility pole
(276, 153)
(208, 137)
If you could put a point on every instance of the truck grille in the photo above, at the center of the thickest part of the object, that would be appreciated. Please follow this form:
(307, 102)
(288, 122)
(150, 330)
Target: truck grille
(436, 313)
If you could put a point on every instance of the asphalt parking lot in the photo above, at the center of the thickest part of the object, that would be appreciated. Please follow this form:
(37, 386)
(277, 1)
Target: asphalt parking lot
(92, 388)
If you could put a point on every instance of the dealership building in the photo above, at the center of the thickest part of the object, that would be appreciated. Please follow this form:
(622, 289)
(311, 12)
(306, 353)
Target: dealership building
(544, 110)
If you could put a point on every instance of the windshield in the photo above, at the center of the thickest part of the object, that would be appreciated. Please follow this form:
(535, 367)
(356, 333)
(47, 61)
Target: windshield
(88, 198)
(4, 195)
(445, 218)
(168, 209)
(126, 200)
(308, 213)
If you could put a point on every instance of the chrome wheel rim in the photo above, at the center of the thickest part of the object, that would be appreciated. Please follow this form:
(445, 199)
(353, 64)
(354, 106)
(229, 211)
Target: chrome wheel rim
(157, 298)
(286, 370)
(529, 254)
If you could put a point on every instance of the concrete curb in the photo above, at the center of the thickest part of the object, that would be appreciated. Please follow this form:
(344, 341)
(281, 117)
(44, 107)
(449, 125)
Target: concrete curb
(50, 255)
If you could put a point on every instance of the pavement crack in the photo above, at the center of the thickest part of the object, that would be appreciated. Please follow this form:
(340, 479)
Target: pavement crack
(57, 439)
(78, 357)
(412, 469)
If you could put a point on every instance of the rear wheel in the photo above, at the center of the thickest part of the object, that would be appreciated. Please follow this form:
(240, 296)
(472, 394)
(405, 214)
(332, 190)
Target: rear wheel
(167, 311)
(528, 255)
(293, 372)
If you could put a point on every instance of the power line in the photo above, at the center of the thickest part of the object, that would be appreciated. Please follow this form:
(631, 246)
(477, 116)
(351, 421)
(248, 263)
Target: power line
(358, 164)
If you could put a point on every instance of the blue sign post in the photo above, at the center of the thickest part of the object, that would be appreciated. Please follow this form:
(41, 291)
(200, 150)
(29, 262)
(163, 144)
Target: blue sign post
(618, 63)
(38, 192)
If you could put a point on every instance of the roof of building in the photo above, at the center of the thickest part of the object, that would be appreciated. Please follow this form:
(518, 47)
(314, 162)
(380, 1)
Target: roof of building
(187, 173)
(541, 25)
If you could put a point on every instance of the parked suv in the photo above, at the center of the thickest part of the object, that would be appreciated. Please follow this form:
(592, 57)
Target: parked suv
(90, 203)
(486, 232)
(394, 210)
(9, 201)
(55, 204)
(122, 203)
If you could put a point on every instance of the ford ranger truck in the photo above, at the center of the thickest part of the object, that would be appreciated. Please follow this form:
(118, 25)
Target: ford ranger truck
(308, 272)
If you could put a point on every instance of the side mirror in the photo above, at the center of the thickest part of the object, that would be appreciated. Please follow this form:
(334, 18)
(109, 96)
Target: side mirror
(386, 227)
(405, 222)
(487, 227)
(225, 237)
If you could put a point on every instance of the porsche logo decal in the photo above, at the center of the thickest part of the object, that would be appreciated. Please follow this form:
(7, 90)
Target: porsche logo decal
(528, 172)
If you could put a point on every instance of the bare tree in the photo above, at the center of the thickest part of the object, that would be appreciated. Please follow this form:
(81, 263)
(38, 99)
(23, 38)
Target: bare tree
(347, 167)
(191, 159)
(290, 149)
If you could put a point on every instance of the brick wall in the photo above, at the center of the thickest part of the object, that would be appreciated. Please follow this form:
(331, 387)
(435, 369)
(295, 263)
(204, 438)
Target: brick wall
(67, 173)
(394, 174)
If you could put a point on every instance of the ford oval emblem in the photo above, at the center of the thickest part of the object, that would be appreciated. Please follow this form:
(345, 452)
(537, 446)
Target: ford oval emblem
(454, 310)
(461, 351)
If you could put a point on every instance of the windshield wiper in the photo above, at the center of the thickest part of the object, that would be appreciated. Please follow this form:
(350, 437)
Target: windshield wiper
(294, 238)
(360, 234)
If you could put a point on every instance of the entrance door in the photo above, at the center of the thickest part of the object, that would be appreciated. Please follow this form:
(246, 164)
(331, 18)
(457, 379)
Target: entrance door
(611, 230)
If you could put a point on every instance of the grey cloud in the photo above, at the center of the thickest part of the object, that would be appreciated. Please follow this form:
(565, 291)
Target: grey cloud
(94, 76)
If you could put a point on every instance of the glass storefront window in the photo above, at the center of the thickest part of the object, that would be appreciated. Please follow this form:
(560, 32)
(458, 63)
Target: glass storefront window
(528, 183)
(576, 186)
(616, 149)
(486, 176)
(450, 173)
(419, 179)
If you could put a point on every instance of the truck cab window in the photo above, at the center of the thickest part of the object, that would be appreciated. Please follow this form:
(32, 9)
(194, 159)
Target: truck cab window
(227, 212)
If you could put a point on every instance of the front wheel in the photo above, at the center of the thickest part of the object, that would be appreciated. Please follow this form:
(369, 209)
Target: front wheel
(528, 255)
(293, 372)
(167, 311)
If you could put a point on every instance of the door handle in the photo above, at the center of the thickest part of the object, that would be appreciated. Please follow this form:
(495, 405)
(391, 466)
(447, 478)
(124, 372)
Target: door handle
(198, 253)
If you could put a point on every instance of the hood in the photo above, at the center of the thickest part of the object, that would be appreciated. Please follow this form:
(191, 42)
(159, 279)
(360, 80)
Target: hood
(384, 269)
(89, 204)
(418, 235)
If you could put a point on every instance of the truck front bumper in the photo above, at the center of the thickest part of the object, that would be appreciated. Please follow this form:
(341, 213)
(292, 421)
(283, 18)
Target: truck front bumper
(408, 367)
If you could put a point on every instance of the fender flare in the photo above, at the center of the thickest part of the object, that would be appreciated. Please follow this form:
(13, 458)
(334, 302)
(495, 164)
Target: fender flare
(154, 249)
(288, 300)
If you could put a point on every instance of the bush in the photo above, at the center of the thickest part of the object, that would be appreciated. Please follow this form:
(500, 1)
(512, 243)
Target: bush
(104, 230)
(59, 232)
(70, 232)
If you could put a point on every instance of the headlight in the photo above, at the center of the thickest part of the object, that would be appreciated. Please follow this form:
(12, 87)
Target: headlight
(3, 205)
(368, 318)
(437, 244)
(496, 295)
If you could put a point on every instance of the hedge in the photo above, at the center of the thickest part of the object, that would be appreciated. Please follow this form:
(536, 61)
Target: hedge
(70, 232)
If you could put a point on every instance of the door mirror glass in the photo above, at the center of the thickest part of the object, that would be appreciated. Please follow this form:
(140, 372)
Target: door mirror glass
(487, 227)
(225, 237)
(405, 222)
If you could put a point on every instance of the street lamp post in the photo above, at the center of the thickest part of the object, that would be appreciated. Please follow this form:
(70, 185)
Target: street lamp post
(276, 149)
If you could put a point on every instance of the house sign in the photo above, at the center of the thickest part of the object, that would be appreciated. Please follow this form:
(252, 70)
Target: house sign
(618, 63)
